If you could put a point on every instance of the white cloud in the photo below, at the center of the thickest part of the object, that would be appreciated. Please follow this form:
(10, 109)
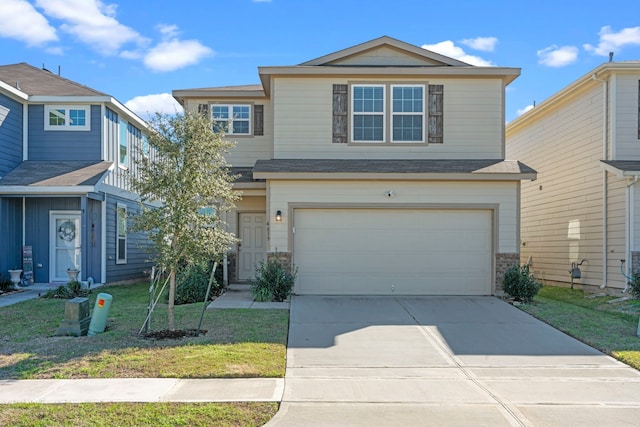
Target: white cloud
(93, 23)
(169, 31)
(448, 48)
(146, 106)
(485, 44)
(19, 20)
(174, 54)
(610, 41)
(521, 111)
(554, 56)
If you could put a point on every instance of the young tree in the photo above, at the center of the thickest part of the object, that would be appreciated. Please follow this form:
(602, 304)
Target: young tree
(185, 186)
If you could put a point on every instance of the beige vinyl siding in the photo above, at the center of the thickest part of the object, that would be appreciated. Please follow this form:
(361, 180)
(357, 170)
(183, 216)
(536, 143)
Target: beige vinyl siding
(473, 120)
(414, 194)
(616, 241)
(385, 55)
(248, 149)
(562, 211)
(627, 144)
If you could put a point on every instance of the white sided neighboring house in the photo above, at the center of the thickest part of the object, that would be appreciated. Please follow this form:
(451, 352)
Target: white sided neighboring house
(584, 209)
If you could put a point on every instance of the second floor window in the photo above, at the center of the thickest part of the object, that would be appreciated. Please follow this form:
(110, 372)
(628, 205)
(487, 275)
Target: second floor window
(232, 119)
(60, 117)
(370, 119)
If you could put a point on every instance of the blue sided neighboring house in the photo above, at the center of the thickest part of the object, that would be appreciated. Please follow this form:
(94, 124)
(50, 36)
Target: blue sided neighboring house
(66, 152)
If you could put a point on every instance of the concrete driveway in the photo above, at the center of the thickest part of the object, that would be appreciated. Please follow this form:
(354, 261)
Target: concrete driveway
(385, 361)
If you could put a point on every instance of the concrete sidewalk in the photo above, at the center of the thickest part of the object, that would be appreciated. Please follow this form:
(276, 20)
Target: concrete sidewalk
(142, 390)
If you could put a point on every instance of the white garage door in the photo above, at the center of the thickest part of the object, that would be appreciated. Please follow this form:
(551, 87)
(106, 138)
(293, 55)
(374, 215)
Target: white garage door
(393, 251)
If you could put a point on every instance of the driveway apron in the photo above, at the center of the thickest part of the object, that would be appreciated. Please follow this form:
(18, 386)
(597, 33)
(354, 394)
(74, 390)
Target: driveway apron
(378, 361)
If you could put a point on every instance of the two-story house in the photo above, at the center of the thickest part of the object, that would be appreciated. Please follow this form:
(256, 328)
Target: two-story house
(377, 169)
(65, 152)
(584, 210)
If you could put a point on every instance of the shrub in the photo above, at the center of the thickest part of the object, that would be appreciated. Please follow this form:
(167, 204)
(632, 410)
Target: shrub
(191, 285)
(634, 285)
(70, 290)
(273, 281)
(5, 284)
(519, 283)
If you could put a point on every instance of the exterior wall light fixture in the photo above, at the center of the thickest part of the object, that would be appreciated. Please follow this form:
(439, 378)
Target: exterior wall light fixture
(278, 216)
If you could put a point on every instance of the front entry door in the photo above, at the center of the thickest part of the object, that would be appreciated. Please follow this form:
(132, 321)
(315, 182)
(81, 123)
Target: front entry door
(64, 245)
(253, 244)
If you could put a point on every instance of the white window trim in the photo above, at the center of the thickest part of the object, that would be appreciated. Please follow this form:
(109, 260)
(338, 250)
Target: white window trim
(229, 130)
(123, 124)
(383, 113)
(393, 113)
(67, 126)
(118, 259)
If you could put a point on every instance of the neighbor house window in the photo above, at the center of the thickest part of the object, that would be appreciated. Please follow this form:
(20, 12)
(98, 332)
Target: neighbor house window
(407, 113)
(232, 119)
(368, 122)
(121, 234)
(60, 117)
(123, 152)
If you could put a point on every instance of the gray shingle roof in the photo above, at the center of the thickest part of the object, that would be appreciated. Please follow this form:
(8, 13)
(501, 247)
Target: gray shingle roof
(244, 175)
(55, 173)
(624, 165)
(391, 166)
(37, 82)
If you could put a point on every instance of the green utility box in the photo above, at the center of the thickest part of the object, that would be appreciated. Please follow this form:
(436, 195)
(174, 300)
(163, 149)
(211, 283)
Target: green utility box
(100, 313)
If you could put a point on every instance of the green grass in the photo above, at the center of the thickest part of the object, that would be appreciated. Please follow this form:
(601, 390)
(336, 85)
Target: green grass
(601, 322)
(239, 343)
(137, 414)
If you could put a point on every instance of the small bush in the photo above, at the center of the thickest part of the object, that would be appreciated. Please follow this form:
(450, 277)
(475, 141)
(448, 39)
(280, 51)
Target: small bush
(70, 290)
(5, 284)
(192, 283)
(519, 283)
(634, 285)
(273, 281)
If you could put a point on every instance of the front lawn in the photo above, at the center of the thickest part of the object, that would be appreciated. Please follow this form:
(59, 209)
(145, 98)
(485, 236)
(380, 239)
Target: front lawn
(239, 343)
(137, 414)
(603, 322)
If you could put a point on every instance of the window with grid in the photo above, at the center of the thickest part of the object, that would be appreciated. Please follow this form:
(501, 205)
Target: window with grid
(59, 117)
(368, 123)
(232, 119)
(407, 113)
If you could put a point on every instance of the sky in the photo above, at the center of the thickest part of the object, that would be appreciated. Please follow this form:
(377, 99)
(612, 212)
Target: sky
(139, 51)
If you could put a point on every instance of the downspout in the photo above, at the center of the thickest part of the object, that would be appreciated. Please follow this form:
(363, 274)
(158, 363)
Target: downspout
(629, 227)
(605, 190)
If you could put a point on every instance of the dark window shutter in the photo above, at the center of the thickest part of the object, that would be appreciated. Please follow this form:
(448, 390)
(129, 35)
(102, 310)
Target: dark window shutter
(258, 120)
(436, 114)
(203, 108)
(638, 109)
(340, 116)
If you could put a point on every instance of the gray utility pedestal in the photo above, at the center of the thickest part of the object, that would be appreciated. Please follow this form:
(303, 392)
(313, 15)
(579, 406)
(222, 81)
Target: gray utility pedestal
(76, 318)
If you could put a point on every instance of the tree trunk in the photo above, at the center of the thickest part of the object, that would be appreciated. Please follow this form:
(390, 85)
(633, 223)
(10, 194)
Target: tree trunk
(172, 297)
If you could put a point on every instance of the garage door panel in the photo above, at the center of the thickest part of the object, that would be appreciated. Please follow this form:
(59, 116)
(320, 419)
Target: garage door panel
(386, 251)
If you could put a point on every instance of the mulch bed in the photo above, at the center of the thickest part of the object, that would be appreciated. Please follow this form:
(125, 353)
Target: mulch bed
(166, 334)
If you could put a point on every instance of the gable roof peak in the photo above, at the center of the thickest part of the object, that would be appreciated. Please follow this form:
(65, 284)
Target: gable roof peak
(380, 42)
